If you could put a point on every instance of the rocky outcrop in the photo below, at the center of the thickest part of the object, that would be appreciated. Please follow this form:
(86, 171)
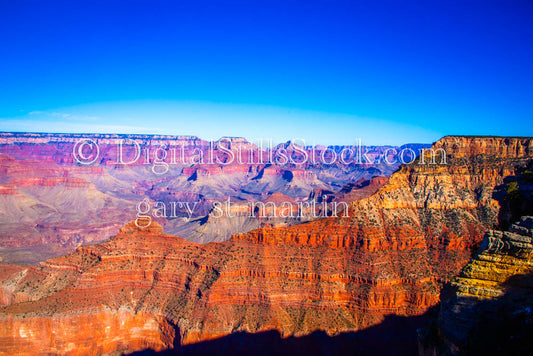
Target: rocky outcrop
(488, 307)
(204, 291)
(440, 200)
(389, 255)
(360, 189)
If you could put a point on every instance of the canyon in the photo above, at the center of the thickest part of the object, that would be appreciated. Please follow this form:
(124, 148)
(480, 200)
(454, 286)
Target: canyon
(145, 289)
(60, 191)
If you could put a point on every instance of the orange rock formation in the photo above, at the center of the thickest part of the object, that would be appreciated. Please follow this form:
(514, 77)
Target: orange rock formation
(390, 256)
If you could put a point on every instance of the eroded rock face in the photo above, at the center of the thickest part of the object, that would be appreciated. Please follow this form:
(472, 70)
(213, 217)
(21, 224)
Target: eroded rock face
(92, 333)
(447, 205)
(204, 291)
(488, 307)
(51, 203)
(389, 256)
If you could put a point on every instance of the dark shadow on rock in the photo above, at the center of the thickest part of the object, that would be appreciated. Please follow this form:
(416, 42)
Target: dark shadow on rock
(468, 325)
(515, 196)
(505, 326)
(288, 175)
(396, 335)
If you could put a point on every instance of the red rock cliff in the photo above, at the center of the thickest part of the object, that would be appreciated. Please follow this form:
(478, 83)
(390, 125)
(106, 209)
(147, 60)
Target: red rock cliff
(389, 256)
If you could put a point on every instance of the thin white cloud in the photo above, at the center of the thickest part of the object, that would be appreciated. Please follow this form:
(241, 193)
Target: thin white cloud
(46, 115)
(60, 114)
(72, 127)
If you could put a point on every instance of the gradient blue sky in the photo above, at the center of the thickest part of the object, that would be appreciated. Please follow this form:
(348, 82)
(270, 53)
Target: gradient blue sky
(325, 71)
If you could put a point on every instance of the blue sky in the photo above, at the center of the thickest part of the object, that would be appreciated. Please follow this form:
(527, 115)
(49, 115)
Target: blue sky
(325, 71)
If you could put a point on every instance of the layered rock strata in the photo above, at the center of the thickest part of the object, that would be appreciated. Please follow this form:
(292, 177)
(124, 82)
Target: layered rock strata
(390, 255)
(488, 307)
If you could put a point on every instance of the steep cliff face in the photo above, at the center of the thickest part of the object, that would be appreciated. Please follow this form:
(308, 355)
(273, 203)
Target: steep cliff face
(390, 255)
(487, 308)
(443, 200)
(97, 333)
(204, 291)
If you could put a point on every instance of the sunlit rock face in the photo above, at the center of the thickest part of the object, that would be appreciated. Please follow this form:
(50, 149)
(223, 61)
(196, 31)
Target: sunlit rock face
(487, 308)
(390, 255)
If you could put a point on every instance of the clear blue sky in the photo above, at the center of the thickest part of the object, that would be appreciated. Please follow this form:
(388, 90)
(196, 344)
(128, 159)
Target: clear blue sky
(326, 71)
